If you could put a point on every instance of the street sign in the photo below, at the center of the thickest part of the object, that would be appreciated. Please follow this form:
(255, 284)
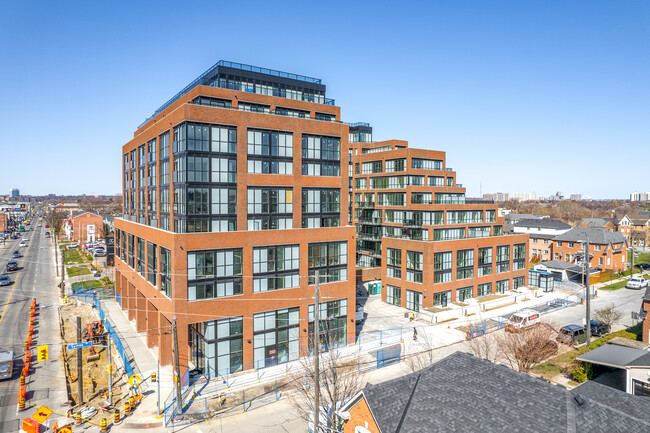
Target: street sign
(134, 380)
(42, 414)
(79, 345)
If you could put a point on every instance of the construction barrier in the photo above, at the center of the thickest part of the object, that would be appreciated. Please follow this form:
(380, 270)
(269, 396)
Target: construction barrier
(116, 418)
(21, 403)
(103, 426)
(31, 426)
(132, 402)
(77, 420)
(127, 408)
(22, 380)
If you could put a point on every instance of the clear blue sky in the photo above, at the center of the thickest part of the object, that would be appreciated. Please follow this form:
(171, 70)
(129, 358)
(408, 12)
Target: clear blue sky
(524, 96)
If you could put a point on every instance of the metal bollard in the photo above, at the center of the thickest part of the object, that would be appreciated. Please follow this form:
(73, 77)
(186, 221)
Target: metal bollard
(103, 426)
(127, 408)
(116, 418)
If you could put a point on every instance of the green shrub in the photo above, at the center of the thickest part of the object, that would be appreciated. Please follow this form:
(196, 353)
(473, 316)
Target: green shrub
(578, 373)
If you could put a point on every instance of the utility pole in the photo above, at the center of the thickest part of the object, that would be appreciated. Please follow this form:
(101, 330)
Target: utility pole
(587, 294)
(62, 272)
(110, 373)
(316, 353)
(158, 383)
(80, 384)
(179, 399)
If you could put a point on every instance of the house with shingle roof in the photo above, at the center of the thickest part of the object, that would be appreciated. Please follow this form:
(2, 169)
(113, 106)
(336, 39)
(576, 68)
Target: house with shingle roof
(635, 228)
(462, 393)
(607, 250)
(541, 233)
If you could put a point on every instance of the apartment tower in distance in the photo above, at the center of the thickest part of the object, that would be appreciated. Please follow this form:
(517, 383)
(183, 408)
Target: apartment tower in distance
(417, 232)
(235, 194)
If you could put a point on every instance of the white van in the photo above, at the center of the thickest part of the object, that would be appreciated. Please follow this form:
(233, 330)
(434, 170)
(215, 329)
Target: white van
(522, 319)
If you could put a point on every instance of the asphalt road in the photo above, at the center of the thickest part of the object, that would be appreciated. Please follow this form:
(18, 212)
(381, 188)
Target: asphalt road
(35, 279)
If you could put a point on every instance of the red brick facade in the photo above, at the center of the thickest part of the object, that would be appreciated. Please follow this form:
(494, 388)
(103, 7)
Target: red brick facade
(81, 223)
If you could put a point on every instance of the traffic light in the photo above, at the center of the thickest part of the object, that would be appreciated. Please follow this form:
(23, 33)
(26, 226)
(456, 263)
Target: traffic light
(42, 352)
(109, 369)
(153, 377)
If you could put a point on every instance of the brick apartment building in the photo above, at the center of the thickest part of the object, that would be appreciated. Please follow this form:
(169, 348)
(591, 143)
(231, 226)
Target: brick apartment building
(234, 196)
(432, 245)
(607, 250)
(4, 222)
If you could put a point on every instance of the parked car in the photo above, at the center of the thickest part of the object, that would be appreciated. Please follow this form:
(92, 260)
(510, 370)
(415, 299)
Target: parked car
(47, 226)
(16, 255)
(522, 319)
(25, 239)
(642, 266)
(637, 283)
(12, 265)
(22, 244)
(598, 328)
(99, 252)
(4, 280)
(572, 334)
(72, 245)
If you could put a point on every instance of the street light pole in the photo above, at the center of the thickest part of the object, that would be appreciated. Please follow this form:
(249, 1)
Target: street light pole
(587, 293)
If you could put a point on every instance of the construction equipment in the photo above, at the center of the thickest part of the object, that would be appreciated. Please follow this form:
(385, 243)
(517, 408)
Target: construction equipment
(94, 332)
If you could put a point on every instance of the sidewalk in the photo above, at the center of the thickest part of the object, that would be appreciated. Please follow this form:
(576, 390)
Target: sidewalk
(145, 415)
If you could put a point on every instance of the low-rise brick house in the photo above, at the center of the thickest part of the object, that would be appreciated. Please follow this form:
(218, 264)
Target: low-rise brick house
(86, 226)
(541, 232)
(635, 228)
(607, 250)
(599, 223)
(462, 393)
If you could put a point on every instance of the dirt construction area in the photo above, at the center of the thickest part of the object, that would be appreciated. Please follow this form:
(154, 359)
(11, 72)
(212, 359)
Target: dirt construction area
(95, 372)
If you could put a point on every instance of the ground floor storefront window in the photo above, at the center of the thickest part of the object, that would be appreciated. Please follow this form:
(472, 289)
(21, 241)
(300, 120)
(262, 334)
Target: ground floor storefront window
(332, 318)
(394, 295)
(276, 336)
(413, 300)
(217, 346)
(441, 299)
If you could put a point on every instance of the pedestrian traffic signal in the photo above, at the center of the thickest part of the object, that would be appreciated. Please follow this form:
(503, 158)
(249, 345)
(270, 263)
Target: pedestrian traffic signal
(153, 377)
(42, 352)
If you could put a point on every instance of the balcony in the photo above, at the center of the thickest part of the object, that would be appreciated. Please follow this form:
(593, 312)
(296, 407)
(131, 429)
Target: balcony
(365, 205)
(412, 223)
(370, 221)
(370, 236)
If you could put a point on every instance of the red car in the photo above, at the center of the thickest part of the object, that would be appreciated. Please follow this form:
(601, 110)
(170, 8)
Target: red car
(47, 226)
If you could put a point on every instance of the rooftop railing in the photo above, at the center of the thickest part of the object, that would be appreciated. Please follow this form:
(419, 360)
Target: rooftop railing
(267, 71)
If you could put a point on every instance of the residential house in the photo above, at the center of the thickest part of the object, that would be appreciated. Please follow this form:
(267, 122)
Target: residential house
(636, 229)
(607, 250)
(84, 226)
(645, 309)
(599, 223)
(514, 218)
(541, 233)
(468, 394)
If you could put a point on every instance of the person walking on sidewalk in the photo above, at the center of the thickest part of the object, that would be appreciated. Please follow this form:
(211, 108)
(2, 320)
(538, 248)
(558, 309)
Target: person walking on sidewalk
(415, 334)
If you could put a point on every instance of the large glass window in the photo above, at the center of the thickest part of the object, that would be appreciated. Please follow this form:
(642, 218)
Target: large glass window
(518, 282)
(502, 286)
(330, 259)
(214, 274)
(413, 300)
(394, 295)
(141, 256)
(276, 267)
(503, 259)
(442, 267)
(519, 257)
(484, 261)
(321, 156)
(448, 234)
(270, 208)
(270, 152)
(320, 208)
(217, 346)
(332, 317)
(276, 337)
(371, 167)
(464, 293)
(484, 289)
(152, 261)
(426, 164)
(464, 264)
(442, 299)
(395, 165)
(394, 263)
(414, 263)
(166, 272)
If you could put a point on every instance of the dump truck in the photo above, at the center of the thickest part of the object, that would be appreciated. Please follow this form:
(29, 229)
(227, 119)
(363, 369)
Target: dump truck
(6, 364)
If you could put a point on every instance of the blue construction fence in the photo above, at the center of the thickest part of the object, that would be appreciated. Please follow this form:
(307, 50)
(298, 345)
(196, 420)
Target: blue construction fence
(124, 352)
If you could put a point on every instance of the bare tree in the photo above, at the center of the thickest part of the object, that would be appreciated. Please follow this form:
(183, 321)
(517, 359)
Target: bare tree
(339, 382)
(485, 347)
(524, 349)
(423, 353)
(609, 315)
(55, 219)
